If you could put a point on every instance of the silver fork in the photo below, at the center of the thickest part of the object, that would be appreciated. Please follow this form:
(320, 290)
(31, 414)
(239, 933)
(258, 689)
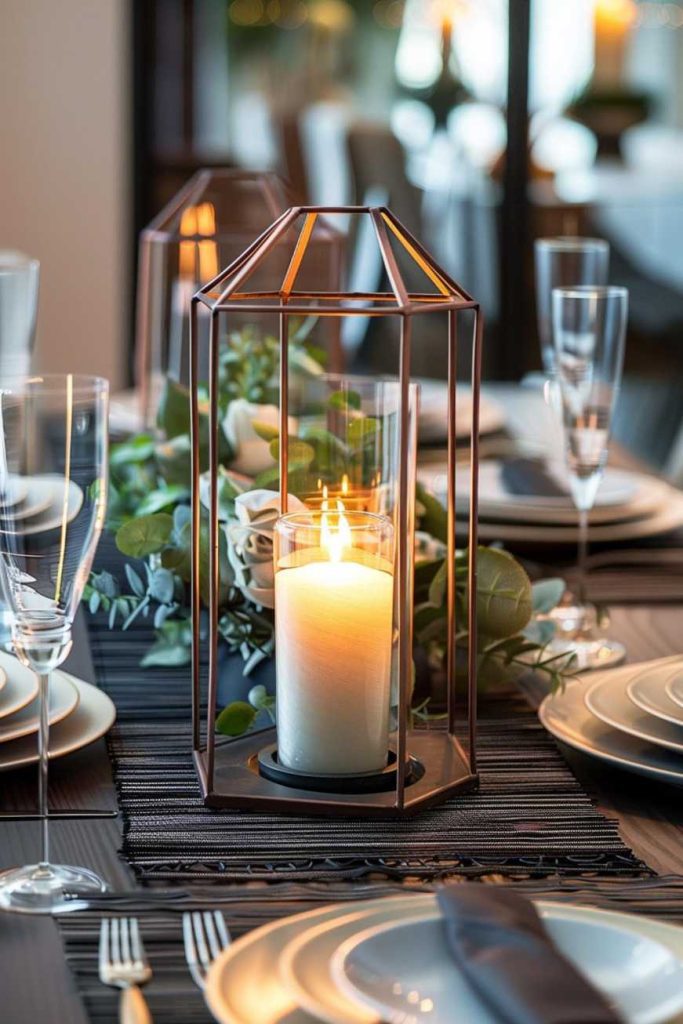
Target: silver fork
(205, 935)
(123, 964)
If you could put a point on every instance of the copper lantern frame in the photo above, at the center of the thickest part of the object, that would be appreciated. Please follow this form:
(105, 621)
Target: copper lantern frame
(228, 770)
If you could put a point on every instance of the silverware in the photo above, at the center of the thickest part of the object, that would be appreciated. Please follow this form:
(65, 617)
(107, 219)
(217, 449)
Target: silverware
(205, 935)
(123, 964)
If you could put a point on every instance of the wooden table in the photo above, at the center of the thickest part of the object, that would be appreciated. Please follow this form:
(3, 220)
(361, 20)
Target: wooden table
(34, 981)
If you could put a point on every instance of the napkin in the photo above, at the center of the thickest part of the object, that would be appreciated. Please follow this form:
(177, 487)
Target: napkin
(500, 945)
(529, 477)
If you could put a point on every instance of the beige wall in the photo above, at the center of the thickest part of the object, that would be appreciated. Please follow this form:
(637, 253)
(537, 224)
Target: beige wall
(63, 172)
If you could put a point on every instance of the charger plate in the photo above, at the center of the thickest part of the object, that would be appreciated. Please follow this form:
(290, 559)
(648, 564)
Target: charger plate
(566, 716)
(63, 701)
(243, 985)
(674, 689)
(648, 691)
(609, 701)
(93, 718)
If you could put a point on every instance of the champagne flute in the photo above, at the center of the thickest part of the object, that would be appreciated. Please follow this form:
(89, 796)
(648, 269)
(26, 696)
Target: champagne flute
(589, 331)
(560, 262)
(53, 449)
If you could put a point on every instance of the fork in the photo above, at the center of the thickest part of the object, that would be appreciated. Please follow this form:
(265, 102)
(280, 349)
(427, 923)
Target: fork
(123, 964)
(205, 935)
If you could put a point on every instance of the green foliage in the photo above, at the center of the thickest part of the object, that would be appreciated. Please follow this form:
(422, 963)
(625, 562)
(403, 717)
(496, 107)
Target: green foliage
(148, 535)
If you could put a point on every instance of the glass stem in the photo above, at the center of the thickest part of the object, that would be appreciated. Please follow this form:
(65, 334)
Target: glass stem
(43, 745)
(583, 555)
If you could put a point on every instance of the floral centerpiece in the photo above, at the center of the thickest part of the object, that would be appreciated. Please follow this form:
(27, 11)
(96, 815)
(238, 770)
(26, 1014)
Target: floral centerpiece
(149, 513)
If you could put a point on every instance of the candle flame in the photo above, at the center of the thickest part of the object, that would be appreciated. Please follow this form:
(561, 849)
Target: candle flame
(188, 226)
(335, 540)
(345, 485)
(198, 220)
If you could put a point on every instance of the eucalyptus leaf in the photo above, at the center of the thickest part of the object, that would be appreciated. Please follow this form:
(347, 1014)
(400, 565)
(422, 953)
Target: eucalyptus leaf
(266, 431)
(236, 719)
(144, 536)
(173, 415)
(361, 431)
(94, 602)
(138, 449)
(300, 454)
(136, 584)
(161, 585)
(540, 631)
(168, 655)
(434, 519)
(546, 595)
(157, 501)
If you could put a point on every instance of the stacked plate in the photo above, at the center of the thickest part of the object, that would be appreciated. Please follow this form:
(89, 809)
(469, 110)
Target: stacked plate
(629, 505)
(631, 717)
(388, 960)
(35, 504)
(79, 714)
(433, 419)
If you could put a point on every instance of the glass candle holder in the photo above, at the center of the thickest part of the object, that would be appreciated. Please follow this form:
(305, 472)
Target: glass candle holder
(334, 623)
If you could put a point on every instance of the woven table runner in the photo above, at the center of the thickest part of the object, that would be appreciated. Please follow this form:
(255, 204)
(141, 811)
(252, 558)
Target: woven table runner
(172, 996)
(530, 817)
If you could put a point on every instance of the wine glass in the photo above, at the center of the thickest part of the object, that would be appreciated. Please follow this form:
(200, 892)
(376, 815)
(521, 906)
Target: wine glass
(589, 330)
(53, 459)
(561, 262)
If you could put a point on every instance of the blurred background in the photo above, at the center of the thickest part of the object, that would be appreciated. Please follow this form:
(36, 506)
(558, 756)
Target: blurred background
(482, 123)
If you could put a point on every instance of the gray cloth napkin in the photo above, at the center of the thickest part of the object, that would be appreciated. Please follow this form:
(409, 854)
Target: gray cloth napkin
(500, 945)
(529, 477)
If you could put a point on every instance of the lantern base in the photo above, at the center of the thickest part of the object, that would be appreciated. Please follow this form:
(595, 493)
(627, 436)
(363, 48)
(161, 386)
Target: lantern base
(238, 782)
(363, 782)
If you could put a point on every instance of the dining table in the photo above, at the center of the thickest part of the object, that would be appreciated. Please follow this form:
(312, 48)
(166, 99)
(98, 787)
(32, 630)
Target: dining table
(38, 982)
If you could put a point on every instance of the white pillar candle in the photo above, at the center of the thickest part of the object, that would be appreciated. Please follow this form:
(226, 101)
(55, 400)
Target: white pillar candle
(333, 621)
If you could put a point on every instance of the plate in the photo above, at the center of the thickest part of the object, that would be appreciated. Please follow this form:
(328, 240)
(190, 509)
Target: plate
(243, 986)
(94, 716)
(674, 689)
(609, 701)
(649, 692)
(433, 418)
(623, 495)
(48, 491)
(63, 701)
(404, 972)
(665, 519)
(21, 686)
(566, 716)
(18, 490)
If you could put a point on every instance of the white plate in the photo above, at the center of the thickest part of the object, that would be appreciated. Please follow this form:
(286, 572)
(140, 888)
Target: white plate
(94, 716)
(665, 519)
(404, 972)
(674, 689)
(21, 686)
(18, 490)
(566, 716)
(623, 495)
(243, 985)
(609, 701)
(63, 701)
(433, 419)
(648, 691)
(47, 491)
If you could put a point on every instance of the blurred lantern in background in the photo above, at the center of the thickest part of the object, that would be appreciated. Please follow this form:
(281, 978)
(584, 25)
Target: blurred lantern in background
(204, 227)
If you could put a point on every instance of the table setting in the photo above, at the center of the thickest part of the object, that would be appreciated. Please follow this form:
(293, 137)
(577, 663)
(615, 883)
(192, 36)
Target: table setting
(355, 698)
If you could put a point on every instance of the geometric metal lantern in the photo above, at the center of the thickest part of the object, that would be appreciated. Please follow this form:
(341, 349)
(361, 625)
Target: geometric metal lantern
(205, 226)
(429, 765)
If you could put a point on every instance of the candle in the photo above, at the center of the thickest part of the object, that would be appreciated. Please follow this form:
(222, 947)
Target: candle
(613, 21)
(334, 599)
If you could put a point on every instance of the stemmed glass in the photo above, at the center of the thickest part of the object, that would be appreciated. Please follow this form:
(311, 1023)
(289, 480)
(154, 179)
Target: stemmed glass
(53, 452)
(561, 262)
(589, 331)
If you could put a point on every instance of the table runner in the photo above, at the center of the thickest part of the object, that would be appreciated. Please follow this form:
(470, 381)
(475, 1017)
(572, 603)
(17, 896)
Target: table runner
(531, 816)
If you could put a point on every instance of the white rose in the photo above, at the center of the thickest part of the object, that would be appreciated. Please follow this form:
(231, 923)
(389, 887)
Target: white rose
(250, 543)
(251, 452)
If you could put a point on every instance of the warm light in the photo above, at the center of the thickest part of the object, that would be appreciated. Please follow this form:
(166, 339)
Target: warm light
(188, 226)
(615, 15)
(345, 485)
(335, 540)
(208, 255)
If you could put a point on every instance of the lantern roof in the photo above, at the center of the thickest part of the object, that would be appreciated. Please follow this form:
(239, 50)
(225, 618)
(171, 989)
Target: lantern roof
(277, 272)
